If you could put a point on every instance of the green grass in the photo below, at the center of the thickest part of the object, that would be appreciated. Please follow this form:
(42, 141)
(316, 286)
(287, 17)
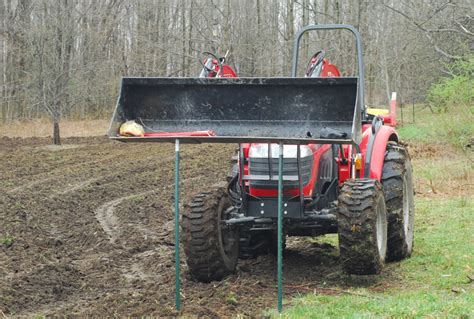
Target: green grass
(7, 240)
(449, 168)
(434, 281)
(455, 128)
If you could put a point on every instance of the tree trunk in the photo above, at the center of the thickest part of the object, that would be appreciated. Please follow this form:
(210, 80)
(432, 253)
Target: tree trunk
(190, 41)
(56, 136)
(305, 22)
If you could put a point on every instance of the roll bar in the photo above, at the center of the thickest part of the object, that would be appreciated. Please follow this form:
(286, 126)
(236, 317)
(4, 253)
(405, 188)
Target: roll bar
(360, 64)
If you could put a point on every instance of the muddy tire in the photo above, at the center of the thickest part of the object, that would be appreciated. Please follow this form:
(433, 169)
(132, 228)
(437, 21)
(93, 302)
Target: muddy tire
(362, 226)
(211, 249)
(397, 182)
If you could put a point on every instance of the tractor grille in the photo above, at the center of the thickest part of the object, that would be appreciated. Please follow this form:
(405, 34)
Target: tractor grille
(260, 166)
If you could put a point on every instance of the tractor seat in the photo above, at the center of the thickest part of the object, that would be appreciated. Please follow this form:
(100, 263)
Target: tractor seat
(375, 112)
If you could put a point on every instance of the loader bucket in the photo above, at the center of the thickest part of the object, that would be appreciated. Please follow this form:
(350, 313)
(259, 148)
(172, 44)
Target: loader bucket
(291, 110)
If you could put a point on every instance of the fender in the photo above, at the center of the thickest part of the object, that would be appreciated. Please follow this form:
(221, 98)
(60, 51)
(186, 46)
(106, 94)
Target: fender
(376, 151)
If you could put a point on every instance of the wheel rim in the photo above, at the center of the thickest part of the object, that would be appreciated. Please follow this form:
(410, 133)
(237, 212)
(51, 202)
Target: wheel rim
(381, 229)
(228, 238)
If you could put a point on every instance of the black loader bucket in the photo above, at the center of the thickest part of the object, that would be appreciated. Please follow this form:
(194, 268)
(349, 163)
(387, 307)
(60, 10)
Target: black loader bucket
(291, 110)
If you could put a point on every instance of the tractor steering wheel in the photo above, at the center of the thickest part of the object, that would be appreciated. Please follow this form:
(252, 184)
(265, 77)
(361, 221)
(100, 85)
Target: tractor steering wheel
(209, 54)
(319, 56)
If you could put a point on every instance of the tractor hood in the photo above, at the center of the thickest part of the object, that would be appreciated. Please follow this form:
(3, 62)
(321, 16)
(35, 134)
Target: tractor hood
(291, 110)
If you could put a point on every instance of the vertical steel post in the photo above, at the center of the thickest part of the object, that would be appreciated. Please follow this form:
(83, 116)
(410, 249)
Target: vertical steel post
(413, 111)
(176, 229)
(280, 226)
(300, 180)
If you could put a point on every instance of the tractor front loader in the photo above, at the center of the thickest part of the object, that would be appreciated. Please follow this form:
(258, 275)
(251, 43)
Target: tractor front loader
(311, 161)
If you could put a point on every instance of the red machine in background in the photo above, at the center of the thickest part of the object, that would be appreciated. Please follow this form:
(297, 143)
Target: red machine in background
(214, 67)
(318, 66)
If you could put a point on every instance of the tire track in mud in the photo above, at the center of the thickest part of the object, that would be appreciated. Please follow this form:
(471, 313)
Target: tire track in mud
(106, 217)
(111, 224)
(78, 186)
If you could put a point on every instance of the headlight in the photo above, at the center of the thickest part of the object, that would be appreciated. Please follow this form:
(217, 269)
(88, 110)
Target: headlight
(289, 151)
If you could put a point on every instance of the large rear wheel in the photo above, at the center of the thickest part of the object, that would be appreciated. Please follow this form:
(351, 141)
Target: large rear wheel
(210, 246)
(362, 226)
(397, 183)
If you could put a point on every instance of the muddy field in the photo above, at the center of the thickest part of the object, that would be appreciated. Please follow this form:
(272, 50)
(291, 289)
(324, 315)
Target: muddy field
(88, 231)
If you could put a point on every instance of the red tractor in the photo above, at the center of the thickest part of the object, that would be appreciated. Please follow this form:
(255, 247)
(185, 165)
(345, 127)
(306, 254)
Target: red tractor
(312, 160)
(366, 197)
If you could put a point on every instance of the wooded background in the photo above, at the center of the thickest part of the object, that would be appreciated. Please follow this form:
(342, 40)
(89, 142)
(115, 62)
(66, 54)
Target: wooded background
(64, 58)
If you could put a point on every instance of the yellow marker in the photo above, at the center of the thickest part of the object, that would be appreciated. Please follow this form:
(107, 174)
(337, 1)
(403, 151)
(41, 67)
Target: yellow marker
(358, 161)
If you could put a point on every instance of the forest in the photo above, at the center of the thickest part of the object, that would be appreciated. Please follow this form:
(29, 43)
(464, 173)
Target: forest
(64, 59)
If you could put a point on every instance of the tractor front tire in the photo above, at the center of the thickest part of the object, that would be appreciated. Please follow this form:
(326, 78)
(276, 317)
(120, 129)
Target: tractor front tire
(362, 226)
(211, 247)
(397, 182)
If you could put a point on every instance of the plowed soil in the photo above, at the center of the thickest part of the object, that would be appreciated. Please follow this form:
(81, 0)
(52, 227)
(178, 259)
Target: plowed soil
(86, 229)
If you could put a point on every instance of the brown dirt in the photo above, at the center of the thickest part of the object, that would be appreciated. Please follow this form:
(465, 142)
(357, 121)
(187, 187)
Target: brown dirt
(91, 234)
(452, 173)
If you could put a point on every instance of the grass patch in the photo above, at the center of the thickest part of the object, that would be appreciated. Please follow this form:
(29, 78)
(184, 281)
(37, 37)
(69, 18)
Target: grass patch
(455, 128)
(435, 281)
(444, 170)
(7, 240)
(452, 176)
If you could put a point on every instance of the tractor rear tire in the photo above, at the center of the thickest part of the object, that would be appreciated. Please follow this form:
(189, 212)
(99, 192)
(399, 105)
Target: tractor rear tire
(397, 182)
(362, 226)
(211, 247)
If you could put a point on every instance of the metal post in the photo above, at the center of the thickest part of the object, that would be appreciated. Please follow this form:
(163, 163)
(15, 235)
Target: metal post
(280, 199)
(300, 180)
(413, 111)
(176, 228)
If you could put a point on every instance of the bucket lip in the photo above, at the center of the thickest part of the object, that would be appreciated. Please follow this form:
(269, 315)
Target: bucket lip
(231, 139)
(239, 81)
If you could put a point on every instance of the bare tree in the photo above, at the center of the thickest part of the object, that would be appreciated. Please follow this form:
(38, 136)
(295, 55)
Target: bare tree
(65, 58)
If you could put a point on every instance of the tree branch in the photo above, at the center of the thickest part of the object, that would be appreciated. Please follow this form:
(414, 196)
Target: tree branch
(426, 31)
